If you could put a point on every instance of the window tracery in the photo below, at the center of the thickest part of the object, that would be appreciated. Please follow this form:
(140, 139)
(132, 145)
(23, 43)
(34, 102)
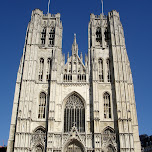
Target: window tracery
(41, 69)
(100, 66)
(74, 114)
(42, 105)
(107, 106)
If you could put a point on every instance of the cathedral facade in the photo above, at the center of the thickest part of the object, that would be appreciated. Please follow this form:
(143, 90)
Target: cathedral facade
(74, 105)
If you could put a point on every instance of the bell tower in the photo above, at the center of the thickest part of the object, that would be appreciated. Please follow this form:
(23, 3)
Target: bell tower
(38, 71)
(110, 72)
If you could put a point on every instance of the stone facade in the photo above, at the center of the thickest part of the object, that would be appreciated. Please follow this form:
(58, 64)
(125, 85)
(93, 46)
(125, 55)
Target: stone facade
(74, 106)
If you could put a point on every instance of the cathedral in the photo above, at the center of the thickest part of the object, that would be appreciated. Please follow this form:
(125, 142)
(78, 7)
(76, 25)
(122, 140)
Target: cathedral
(74, 105)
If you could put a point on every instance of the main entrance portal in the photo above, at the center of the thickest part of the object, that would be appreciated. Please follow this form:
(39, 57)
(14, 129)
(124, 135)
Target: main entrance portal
(74, 146)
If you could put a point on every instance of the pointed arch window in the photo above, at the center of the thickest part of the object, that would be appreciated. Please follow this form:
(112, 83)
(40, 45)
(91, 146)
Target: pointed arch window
(108, 71)
(48, 73)
(100, 69)
(107, 105)
(52, 36)
(42, 105)
(41, 66)
(74, 114)
(98, 34)
(43, 36)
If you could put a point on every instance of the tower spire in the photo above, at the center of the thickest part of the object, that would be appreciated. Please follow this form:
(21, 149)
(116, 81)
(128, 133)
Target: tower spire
(48, 6)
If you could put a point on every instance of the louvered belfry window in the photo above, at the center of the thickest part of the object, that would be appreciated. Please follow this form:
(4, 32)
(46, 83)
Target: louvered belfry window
(74, 114)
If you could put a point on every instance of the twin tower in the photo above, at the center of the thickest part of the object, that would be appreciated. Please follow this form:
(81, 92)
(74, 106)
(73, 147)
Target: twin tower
(72, 106)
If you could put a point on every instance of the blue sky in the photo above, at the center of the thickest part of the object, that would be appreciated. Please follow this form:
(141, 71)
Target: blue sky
(136, 18)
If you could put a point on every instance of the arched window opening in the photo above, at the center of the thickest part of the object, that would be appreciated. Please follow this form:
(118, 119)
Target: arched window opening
(48, 73)
(108, 71)
(42, 106)
(98, 34)
(39, 131)
(107, 106)
(74, 114)
(108, 131)
(52, 36)
(41, 69)
(43, 36)
(100, 66)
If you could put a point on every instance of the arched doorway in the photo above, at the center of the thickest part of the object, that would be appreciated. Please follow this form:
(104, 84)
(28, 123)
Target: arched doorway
(74, 146)
(39, 149)
(110, 148)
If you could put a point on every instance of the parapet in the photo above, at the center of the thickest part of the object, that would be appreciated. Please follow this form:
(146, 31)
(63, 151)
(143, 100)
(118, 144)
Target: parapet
(38, 12)
(92, 16)
(113, 13)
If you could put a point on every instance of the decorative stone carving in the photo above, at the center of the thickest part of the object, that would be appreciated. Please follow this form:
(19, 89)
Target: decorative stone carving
(38, 138)
(109, 140)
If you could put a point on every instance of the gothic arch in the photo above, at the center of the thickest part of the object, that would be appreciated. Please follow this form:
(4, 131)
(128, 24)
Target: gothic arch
(72, 93)
(39, 127)
(108, 58)
(107, 93)
(101, 58)
(41, 58)
(74, 143)
(108, 128)
(39, 148)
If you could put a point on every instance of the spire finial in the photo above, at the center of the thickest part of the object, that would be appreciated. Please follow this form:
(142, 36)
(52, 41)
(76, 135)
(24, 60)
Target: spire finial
(74, 38)
(102, 6)
(48, 6)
